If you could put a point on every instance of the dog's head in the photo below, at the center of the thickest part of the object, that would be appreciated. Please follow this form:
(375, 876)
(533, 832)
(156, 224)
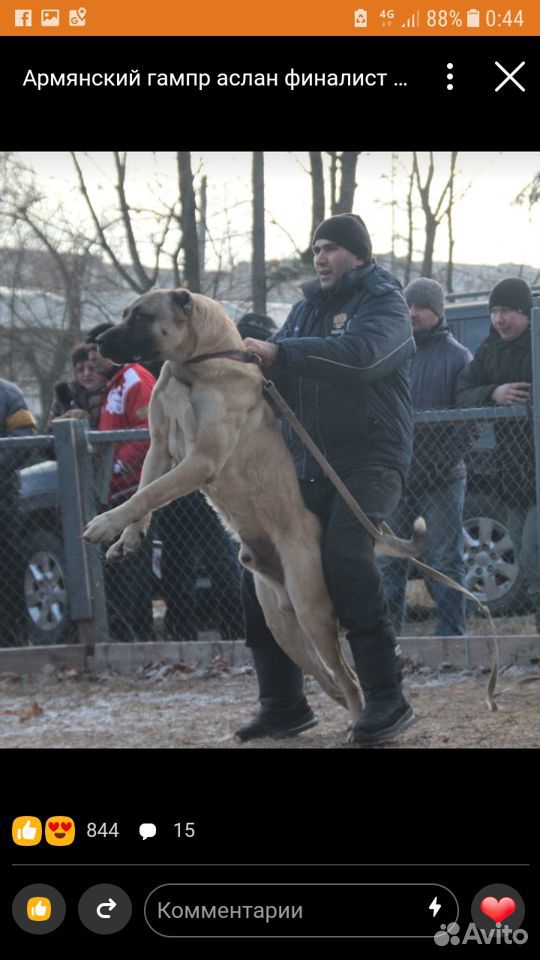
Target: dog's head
(169, 324)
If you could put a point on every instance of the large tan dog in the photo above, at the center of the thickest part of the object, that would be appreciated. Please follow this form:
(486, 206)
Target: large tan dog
(212, 430)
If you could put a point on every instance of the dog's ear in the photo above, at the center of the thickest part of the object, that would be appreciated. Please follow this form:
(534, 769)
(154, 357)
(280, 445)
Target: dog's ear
(182, 300)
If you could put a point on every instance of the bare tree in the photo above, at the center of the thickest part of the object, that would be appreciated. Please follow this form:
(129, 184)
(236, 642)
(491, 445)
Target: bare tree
(203, 204)
(258, 272)
(139, 279)
(530, 192)
(345, 163)
(348, 161)
(434, 210)
(410, 229)
(449, 217)
(188, 222)
(47, 273)
(316, 171)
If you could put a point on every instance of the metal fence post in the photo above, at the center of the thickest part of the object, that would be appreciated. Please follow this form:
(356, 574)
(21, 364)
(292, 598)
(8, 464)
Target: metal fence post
(84, 566)
(535, 337)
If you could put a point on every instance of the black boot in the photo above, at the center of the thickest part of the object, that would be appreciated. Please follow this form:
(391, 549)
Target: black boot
(386, 713)
(284, 710)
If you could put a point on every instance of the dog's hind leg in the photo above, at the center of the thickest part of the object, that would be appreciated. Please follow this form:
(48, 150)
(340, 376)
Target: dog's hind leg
(291, 638)
(306, 587)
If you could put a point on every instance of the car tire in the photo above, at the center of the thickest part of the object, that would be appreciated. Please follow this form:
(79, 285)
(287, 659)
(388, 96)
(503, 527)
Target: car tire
(45, 591)
(491, 568)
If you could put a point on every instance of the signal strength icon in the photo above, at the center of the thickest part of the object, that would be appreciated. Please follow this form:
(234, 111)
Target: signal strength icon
(412, 22)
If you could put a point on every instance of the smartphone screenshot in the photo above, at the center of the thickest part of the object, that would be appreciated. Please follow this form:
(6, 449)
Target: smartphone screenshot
(270, 475)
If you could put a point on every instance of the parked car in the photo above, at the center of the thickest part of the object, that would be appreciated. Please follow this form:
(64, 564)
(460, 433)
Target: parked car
(45, 593)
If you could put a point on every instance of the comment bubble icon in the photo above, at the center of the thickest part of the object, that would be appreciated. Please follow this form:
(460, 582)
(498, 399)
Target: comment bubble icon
(147, 830)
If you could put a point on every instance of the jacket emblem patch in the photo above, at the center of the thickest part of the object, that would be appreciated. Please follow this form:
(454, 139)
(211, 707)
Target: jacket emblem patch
(339, 322)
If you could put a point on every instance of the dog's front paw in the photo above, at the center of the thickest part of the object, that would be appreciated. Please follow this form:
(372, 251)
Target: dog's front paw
(130, 541)
(101, 529)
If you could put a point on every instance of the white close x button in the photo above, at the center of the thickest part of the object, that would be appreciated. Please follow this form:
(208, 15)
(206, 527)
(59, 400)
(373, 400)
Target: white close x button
(510, 76)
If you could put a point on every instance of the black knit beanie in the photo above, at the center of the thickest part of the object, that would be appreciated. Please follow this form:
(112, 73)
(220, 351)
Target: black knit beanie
(347, 230)
(257, 325)
(513, 293)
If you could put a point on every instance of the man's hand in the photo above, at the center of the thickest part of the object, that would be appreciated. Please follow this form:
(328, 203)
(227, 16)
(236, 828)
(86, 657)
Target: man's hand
(75, 414)
(263, 349)
(512, 393)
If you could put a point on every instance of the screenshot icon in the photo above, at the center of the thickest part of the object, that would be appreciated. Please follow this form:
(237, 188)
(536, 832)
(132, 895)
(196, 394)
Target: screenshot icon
(50, 18)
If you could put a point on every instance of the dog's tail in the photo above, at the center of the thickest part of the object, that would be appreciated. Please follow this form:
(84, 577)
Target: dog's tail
(390, 546)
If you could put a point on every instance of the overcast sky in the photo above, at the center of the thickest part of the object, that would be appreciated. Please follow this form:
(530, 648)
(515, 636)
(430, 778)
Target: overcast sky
(489, 228)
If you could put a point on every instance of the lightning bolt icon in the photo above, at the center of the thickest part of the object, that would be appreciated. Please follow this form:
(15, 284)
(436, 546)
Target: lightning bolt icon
(434, 906)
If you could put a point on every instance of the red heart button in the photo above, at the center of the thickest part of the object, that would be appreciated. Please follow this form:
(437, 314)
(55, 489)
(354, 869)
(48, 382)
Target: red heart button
(497, 910)
(67, 826)
(54, 827)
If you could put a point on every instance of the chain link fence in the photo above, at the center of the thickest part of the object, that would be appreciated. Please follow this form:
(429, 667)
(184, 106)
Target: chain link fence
(473, 481)
(184, 580)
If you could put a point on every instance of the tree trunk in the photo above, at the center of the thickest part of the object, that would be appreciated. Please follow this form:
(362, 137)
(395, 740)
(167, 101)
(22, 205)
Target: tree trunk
(333, 182)
(348, 160)
(317, 198)
(450, 264)
(188, 222)
(410, 232)
(258, 264)
(202, 227)
(431, 230)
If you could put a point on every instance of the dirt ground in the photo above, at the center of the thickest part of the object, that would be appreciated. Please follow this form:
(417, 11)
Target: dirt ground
(166, 706)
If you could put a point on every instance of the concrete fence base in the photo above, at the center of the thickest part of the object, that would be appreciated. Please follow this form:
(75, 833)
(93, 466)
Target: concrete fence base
(449, 652)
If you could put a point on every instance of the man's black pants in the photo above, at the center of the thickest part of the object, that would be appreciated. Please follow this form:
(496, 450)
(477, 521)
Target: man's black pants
(351, 571)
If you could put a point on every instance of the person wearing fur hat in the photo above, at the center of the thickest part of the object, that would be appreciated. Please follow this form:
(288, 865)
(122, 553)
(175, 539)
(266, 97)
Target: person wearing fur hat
(436, 484)
(501, 373)
(341, 360)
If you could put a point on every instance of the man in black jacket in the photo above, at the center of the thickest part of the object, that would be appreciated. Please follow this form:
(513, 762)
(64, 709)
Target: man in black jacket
(341, 360)
(15, 421)
(501, 373)
(436, 485)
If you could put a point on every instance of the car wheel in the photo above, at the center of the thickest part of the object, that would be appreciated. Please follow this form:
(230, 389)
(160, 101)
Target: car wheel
(491, 567)
(45, 591)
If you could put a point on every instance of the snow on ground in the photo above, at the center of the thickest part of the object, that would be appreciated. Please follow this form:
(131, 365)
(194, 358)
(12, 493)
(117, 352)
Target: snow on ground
(171, 706)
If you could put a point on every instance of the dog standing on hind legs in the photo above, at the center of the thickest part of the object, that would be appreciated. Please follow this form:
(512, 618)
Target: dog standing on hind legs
(212, 430)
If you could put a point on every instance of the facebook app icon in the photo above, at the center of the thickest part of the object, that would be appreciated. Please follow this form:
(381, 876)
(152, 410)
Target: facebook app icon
(23, 18)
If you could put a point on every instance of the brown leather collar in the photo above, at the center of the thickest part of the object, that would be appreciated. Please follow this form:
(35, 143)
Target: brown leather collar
(241, 355)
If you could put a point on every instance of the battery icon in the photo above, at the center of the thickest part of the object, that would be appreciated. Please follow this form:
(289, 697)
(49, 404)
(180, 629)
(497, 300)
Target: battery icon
(473, 18)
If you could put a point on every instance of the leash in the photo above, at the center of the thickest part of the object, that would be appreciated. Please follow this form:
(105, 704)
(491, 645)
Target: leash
(271, 390)
(378, 534)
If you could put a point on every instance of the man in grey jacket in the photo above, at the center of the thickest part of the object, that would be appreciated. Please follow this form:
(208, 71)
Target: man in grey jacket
(436, 485)
(341, 360)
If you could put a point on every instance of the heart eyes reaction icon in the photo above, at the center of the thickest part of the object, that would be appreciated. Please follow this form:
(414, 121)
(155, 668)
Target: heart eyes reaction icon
(498, 910)
(59, 831)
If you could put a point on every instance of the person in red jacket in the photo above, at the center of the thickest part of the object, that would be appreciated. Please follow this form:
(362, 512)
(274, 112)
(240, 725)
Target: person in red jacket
(125, 406)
